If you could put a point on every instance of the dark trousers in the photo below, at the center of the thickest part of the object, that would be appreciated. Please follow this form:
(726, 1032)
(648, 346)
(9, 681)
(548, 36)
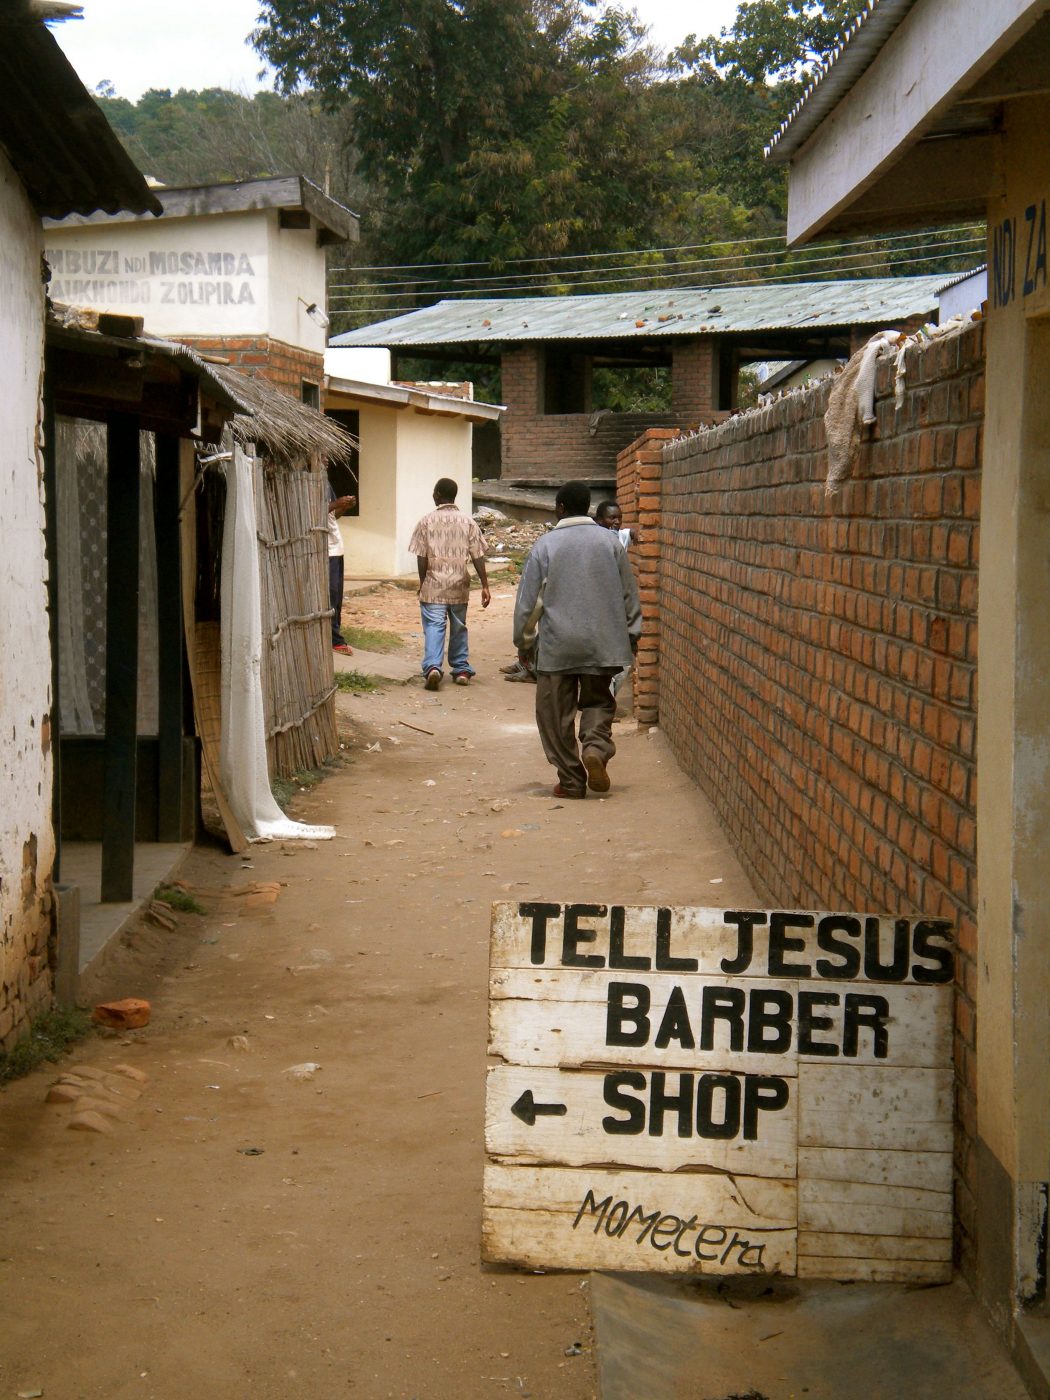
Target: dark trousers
(559, 698)
(335, 597)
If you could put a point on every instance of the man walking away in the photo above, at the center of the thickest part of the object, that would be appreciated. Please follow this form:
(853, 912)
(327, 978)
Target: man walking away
(337, 506)
(445, 542)
(577, 603)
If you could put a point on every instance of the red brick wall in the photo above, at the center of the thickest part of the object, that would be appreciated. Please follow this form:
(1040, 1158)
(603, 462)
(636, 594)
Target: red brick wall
(817, 661)
(638, 490)
(693, 386)
(558, 447)
(286, 365)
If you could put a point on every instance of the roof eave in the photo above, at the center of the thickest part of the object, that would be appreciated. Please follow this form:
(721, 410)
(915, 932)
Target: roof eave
(56, 137)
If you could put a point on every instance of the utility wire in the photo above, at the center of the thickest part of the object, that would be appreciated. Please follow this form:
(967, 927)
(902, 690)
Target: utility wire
(387, 312)
(614, 273)
(628, 252)
(955, 248)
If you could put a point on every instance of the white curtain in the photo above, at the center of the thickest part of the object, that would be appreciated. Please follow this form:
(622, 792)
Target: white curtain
(243, 767)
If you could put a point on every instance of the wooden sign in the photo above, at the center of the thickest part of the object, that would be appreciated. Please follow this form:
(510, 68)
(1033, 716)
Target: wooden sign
(720, 1091)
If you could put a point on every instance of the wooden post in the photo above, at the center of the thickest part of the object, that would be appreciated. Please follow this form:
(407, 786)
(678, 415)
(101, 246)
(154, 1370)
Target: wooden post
(122, 657)
(51, 548)
(169, 643)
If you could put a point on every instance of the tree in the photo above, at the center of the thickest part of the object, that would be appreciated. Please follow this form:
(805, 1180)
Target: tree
(189, 137)
(779, 41)
(486, 129)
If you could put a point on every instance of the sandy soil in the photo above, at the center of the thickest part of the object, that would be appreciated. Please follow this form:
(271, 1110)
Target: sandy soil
(244, 1232)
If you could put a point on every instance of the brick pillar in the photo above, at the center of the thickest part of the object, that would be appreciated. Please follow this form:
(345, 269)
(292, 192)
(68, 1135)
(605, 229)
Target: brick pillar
(694, 378)
(521, 369)
(639, 490)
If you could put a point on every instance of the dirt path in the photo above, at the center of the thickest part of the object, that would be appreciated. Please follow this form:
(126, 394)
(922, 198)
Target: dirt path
(244, 1232)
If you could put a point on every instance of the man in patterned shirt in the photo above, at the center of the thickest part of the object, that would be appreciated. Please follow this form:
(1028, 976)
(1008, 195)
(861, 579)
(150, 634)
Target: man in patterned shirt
(445, 542)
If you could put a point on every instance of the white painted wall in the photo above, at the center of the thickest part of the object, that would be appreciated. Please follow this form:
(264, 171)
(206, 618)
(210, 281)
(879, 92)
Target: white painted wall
(25, 668)
(222, 274)
(366, 366)
(429, 447)
(965, 296)
(297, 279)
(402, 454)
(370, 537)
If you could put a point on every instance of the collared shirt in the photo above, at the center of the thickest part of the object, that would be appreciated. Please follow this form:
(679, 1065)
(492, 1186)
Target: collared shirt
(448, 540)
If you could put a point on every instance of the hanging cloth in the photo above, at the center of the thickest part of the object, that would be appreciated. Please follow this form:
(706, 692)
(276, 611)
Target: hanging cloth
(243, 766)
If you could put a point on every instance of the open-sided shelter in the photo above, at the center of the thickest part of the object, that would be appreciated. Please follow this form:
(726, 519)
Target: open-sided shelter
(549, 348)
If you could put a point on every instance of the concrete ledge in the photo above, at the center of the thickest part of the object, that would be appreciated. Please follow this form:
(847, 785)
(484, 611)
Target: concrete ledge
(666, 1339)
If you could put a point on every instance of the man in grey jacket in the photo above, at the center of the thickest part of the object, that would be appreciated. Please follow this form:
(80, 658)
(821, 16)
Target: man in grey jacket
(577, 604)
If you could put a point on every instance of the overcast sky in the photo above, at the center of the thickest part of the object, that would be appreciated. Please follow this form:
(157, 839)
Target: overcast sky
(140, 44)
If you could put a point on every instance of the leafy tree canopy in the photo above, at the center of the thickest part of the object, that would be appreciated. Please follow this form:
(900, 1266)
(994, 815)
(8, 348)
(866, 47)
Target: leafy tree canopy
(478, 135)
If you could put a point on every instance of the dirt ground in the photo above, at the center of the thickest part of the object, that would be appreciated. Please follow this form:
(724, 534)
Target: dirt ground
(244, 1231)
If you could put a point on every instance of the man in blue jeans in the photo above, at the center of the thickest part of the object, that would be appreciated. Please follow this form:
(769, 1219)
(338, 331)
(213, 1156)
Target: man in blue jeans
(446, 542)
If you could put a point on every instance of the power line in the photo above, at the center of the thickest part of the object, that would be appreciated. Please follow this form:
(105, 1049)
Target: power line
(685, 263)
(953, 248)
(628, 252)
(387, 312)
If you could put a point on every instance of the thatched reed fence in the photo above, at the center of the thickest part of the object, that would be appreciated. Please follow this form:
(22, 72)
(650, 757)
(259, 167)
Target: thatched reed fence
(293, 445)
(298, 685)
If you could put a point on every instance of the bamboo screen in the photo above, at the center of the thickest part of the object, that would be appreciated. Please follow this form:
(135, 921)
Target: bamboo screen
(298, 688)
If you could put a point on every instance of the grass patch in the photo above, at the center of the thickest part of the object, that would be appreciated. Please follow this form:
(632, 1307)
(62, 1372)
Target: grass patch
(373, 639)
(285, 789)
(50, 1037)
(178, 899)
(356, 681)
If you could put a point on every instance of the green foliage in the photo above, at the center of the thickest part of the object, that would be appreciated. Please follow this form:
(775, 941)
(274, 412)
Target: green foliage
(483, 136)
(50, 1037)
(175, 898)
(776, 41)
(639, 390)
(189, 138)
(285, 789)
(357, 682)
(373, 639)
(487, 130)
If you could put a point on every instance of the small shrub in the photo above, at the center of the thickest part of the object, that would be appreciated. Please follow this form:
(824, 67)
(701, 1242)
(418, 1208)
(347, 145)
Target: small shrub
(373, 639)
(50, 1037)
(356, 681)
(175, 898)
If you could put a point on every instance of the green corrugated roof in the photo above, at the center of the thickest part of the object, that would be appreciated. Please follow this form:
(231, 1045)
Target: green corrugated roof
(786, 306)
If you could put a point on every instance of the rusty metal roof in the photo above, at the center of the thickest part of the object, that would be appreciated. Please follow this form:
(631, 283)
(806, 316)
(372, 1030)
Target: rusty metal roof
(643, 315)
(65, 153)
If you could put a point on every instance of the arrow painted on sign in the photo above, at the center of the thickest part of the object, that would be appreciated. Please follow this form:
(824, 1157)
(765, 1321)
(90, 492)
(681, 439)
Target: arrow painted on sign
(528, 1110)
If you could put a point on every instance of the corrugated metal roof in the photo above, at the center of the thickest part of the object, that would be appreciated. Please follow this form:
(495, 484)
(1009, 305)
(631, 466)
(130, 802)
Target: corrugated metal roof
(855, 52)
(64, 151)
(235, 196)
(961, 277)
(643, 315)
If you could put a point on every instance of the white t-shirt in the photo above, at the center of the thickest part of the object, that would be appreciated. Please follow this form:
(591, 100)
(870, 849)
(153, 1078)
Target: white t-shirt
(335, 538)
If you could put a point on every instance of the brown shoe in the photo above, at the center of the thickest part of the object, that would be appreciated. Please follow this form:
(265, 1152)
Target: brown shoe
(597, 773)
(559, 791)
(433, 679)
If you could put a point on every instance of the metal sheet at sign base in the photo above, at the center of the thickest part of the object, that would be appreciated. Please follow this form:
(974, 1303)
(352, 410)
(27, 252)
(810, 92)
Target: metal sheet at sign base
(718, 1091)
